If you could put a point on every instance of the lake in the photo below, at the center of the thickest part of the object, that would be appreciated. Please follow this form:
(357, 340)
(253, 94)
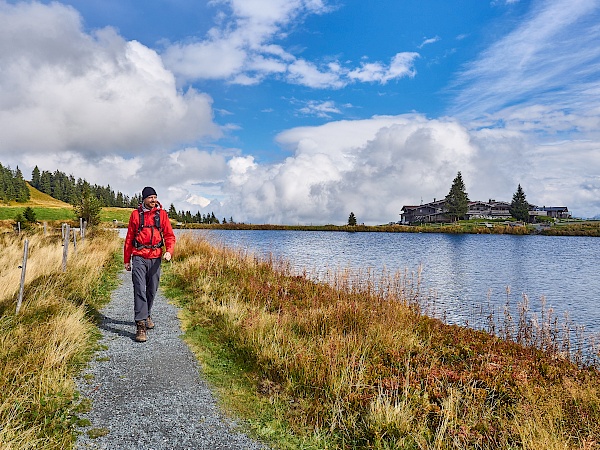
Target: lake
(463, 272)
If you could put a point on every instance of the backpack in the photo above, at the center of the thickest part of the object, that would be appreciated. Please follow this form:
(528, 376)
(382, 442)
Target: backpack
(156, 224)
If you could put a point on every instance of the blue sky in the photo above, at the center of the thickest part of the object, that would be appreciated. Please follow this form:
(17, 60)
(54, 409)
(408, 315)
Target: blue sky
(300, 111)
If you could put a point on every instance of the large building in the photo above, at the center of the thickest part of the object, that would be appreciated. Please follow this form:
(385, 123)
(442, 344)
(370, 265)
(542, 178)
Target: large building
(435, 212)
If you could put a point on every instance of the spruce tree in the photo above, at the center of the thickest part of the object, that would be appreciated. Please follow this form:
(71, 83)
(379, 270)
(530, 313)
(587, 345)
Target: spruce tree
(519, 208)
(457, 200)
(35, 177)
(46, 182)
(21, 188)
(352, 219)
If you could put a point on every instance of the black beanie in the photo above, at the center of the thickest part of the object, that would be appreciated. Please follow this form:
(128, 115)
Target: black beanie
(147, 192)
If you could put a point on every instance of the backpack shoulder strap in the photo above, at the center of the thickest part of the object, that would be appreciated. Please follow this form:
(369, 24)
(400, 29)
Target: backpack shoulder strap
(157, 219)
(141, 214)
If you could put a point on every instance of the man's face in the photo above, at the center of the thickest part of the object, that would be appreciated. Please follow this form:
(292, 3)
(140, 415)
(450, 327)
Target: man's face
(150, 201)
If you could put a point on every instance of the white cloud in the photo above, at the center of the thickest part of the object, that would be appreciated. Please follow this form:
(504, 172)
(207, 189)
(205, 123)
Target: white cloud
(428, 41)
(307, 74)
(549, 59)
(175, 176)
(66, 90)
(320, 109)
(241, 49)
(371, 167)
(198, 200)
(534, 97)
(402, 65)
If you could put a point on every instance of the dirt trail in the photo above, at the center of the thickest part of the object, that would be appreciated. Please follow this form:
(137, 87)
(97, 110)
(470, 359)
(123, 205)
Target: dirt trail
(150, 395)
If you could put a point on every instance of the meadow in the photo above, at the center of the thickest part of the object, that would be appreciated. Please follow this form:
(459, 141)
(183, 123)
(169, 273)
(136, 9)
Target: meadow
(340, 364)
(48, 343)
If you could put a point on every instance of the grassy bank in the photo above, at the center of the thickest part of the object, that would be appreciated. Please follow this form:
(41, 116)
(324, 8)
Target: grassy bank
(46, 344)
(41, 213)
(339, 365)
(591, 228)
(457, 228)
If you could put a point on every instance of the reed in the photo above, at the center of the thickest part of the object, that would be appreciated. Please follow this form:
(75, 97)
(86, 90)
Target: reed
(46, 344)
(347, 364)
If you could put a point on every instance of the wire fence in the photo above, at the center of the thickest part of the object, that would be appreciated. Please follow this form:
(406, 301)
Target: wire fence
(68, 235)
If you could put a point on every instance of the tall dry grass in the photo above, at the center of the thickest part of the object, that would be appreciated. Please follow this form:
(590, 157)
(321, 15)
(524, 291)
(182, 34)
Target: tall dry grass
(366, 368)
(43, 346)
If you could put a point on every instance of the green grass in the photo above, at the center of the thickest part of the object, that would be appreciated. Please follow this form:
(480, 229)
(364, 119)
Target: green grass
(590, 228)
(108, 214)
(41, 213)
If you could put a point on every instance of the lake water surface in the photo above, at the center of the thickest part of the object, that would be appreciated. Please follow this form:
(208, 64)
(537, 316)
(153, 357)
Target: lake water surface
(464, 272)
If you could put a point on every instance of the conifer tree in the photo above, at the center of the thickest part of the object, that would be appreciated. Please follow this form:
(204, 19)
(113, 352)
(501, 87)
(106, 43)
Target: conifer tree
(519, 208)
(35, 177)
(352, 220)
(173, 212)
(457, 200)
(46, 182)
(21, 189)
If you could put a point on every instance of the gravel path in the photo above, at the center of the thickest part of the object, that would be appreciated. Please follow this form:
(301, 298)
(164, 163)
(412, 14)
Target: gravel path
(150, 395)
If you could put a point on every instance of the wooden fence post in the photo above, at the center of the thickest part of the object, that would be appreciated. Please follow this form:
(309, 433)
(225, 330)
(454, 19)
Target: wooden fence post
(23, 269)
(65, 247)
(62, 228)
(74, 240)
(45, 227)
(19, 227)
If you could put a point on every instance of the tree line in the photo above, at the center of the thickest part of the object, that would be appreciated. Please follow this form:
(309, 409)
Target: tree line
(188, 217)
(77, 192)
(12, 185)
(64, 187)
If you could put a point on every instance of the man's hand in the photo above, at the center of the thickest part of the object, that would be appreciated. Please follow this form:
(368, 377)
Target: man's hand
(167, 256)
(128, 267)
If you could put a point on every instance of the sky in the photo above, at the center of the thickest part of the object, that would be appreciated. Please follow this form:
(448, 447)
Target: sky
(302, 111)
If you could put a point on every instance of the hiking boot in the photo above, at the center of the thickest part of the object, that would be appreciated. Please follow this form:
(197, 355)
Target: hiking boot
(140, 334)
(149, 323)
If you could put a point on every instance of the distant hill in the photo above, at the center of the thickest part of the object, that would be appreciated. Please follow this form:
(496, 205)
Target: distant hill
(38, 199)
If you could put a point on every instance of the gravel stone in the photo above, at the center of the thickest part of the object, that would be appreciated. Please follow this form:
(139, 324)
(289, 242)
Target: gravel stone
(150, 395)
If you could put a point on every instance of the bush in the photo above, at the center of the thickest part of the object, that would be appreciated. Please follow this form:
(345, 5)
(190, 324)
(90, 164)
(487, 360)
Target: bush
(29, 215)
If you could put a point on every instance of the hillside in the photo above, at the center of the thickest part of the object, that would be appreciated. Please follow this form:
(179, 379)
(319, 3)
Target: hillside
(37, 199)
(49, 208)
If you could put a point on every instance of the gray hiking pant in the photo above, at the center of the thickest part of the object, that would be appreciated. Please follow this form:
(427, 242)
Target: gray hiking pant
(145, 274)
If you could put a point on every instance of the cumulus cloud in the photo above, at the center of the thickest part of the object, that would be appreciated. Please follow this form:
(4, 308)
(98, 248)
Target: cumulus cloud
(375, 166)
(372, 167)
(176, 176)
(66, 90)
(241, 49)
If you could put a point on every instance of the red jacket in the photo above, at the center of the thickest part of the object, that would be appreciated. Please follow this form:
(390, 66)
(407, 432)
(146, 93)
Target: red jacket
(149, 235)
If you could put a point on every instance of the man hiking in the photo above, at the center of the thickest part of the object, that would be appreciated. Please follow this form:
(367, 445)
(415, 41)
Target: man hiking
(148, 232)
